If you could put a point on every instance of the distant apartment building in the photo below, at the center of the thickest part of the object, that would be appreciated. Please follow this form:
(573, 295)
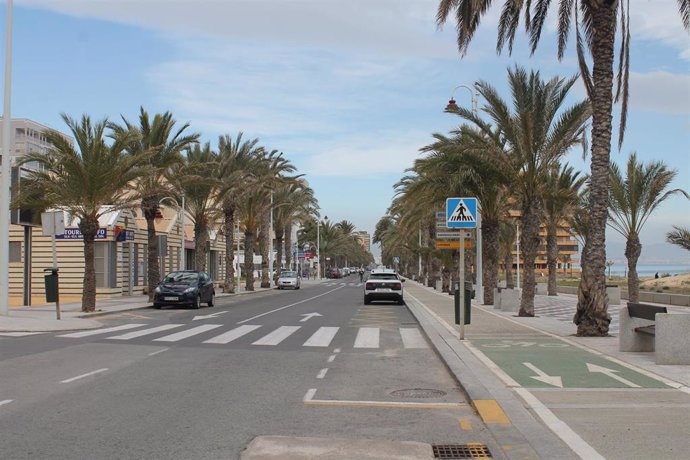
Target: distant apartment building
(364, 239)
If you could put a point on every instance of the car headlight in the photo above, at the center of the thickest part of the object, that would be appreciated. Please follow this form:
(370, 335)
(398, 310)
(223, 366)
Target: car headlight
(157, 290)
(188, 290)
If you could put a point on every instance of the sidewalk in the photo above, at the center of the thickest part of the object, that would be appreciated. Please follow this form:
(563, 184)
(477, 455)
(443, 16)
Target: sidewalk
(589, 415)
(43, 318)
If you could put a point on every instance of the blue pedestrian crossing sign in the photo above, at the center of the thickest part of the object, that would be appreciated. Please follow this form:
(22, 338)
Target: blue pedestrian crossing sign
(461, 212)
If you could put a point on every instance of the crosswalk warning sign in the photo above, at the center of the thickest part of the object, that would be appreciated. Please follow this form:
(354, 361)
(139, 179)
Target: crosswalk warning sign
(461, 212)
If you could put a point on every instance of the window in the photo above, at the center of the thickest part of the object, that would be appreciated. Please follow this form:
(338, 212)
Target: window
(105, 262)
(15, 251)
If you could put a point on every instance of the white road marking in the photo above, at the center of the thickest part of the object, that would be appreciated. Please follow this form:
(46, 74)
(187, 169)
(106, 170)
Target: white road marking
(331, 359)
(277, 336)
(159, 351)
(322, 373)
(542, 376)
(611, 373)
(367, 337)
(563, 431)
(76, 335)
(288, 306)
(188, 333)
(412, 338)
(337, 350)
(84, 375)
(6, 401)
(310, 394)
(152, 330)
(233, 334)
(322, 337)
(18, 334)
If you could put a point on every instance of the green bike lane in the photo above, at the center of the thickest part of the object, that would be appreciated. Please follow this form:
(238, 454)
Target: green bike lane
(548, 362)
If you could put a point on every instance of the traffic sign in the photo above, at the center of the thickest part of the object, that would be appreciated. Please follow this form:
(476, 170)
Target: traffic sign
(452, 244)
(461, 212)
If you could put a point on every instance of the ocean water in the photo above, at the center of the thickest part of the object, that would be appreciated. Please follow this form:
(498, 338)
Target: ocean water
(649, 270)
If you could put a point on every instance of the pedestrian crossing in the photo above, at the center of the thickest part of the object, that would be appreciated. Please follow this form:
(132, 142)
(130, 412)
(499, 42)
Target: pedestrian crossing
(365, 338)
(335, 283)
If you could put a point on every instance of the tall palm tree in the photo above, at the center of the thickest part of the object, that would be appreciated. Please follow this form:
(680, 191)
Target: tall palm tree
(598, 20)
(166, 142)
(561, 198)
(633, 199)
(196, 179)
(506, 241)
(87, 180)
(237, 159)
(680, 237)
(526, 142)
(291, 201)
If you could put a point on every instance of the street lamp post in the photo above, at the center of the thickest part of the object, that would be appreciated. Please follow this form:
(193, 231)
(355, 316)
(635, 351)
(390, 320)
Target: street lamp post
(318, 249)
(5, 171)
(181, 220)
(474, 99)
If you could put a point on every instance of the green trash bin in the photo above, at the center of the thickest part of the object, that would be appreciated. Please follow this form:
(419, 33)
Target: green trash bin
(51, 281)
(469, 295)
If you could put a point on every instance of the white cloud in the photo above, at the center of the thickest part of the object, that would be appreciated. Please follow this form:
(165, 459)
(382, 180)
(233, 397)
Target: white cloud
(659, 20)
(660, 92)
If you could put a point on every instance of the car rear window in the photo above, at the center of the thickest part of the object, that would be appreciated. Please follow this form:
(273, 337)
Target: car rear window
(383, 276)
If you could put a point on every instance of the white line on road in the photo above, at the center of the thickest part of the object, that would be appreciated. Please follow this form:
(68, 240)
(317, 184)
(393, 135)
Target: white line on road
(322, 373)
(288, 306)
(233, 334)
(6, 401)
(322, 337)
(337, 350)
(277, 336)
(188, 333)
(310, 394)
(84, 375)
(412, 338)
(152, 330)
(159, 351)
(331, 359)
(367, 337)
(76, 335)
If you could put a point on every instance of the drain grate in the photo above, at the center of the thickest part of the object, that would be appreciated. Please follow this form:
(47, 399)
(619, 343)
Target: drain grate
(418, 393)
(473, 450)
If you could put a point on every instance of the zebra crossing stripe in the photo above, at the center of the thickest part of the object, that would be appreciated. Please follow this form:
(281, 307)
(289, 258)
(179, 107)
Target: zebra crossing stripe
(412, 338)
(367, 337)
(152, 330)
(277, 336)
(322, 337)
(77, 335)
(233, 334)
(188, 333)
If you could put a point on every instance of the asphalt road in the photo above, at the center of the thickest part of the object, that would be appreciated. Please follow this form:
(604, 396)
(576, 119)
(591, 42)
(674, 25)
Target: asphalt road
(181, 384)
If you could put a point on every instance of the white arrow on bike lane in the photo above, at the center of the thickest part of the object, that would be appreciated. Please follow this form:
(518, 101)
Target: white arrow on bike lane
(542, 376)
(212, 315)
(308, 316)
(611, 373)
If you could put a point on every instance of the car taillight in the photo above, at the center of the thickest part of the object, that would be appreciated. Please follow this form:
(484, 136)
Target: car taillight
(396, 286)
(370, 286)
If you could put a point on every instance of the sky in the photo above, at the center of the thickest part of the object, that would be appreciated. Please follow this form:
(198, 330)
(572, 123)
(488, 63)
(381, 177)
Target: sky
(348, 90)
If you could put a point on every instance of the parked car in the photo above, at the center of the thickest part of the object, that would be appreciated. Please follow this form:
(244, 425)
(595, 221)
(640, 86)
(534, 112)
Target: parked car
(333, 273)
(186, 287)
(289, 279)
(383, 285)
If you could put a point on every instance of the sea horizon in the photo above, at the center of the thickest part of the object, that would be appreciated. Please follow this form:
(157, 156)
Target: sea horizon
(649, 269)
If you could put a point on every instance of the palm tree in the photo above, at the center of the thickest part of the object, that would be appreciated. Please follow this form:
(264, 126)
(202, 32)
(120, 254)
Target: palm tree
(292, 201)
(598, 20)
(561, 197)
(87, 180)
(680, 237)
(160, 137)
(633, 199)
(196, 179)
(506, 238)
(237, 158)
(526, 143)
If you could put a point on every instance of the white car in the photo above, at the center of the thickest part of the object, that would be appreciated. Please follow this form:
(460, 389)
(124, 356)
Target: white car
(289, 279)
(384, 285)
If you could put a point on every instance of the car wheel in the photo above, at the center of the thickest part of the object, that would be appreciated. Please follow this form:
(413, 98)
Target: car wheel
(157, 306)
(401, 301)
(211, 299)
(196, 304)
(366, 300)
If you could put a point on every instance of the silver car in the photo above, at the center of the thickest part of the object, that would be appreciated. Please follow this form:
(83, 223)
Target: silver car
(289, 279)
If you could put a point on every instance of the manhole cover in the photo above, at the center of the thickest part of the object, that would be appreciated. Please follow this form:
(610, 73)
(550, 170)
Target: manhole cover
(418, 393)
(470, 450)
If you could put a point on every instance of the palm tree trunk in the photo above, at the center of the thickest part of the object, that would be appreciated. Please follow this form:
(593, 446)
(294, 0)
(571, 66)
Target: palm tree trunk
(279, 256)
(529, 243)
(490, 251)
(89, 228)
(287, 231)
(264, 245)
(633, 248)
(592, 316)
(551, 256)
(229, 225)
(249, 242)
(200, 241)
(150, 209)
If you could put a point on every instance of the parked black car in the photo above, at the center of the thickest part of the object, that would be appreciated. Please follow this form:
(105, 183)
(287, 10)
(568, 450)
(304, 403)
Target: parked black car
(185, 288)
